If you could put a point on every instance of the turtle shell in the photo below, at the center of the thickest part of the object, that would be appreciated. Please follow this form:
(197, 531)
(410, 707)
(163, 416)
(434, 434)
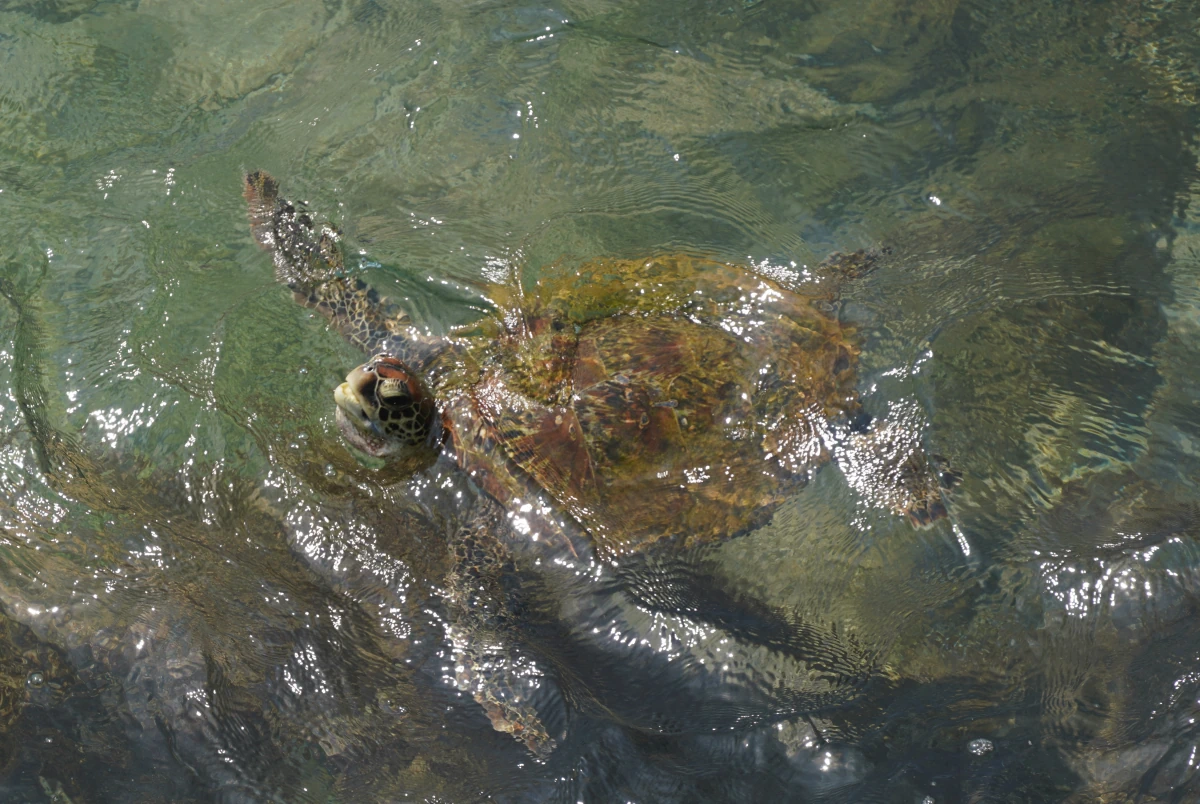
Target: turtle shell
(672, 398)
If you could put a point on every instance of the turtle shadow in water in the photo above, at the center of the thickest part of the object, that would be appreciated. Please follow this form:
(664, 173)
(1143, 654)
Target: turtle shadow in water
(663, 648)
(721, 720)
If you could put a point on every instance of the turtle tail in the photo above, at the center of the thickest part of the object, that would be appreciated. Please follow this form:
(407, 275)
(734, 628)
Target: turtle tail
(308, 259)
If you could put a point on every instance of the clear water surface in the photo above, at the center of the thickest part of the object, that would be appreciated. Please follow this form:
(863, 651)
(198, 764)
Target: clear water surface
(207, 598)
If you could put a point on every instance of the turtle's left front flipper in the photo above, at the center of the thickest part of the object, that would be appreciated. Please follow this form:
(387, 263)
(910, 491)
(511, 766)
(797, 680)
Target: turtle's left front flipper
(309, 259)
(502, 678)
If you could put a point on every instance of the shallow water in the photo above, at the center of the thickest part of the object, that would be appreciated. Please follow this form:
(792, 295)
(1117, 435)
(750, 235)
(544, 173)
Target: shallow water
(206, 597)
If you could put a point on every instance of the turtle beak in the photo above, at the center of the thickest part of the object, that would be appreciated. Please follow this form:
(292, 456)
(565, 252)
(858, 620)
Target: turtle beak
(359, 385)
(351, 398)
(345, 396)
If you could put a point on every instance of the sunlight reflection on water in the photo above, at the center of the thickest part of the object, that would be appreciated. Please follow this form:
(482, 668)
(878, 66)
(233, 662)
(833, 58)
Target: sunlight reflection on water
(218, 601)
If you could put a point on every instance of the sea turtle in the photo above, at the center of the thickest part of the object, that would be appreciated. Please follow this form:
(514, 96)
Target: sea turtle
(622, 407)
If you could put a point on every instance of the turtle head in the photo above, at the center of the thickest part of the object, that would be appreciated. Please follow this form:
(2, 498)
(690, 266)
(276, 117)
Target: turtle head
(384, 409)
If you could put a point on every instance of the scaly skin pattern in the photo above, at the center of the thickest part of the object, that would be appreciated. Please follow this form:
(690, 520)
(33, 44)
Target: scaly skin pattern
(309, 260)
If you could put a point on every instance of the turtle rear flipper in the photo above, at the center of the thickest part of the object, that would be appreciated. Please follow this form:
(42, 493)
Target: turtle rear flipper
(853, 264)
(887, 465)
(927, 477)
(840, 269)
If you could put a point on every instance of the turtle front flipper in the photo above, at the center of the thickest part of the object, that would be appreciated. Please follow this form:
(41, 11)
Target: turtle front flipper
(309, 259)
(487, 663)
(885, 463)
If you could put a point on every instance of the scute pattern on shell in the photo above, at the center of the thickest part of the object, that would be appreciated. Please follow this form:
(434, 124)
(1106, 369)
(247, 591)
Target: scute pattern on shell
(672, 398)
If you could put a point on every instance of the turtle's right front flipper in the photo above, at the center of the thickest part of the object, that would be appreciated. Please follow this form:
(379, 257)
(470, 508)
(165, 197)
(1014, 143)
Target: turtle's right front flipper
(308, 259)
